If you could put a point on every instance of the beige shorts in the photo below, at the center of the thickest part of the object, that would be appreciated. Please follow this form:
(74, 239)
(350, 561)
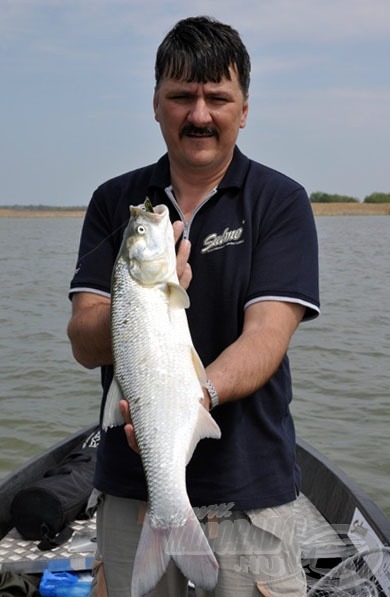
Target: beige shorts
(257, 551)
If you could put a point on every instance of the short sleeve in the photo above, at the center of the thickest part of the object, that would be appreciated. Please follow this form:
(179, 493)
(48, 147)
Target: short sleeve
(285, 257)
(97, 252)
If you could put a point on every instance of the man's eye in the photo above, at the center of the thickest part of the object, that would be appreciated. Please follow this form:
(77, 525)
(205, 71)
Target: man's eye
(219, 99)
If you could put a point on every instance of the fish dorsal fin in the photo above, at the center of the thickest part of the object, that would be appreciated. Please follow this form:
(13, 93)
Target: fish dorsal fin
(178, 297)
(205, 427)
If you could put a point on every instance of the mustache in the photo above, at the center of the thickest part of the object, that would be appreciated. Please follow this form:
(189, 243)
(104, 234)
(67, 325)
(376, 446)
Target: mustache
(204, 131)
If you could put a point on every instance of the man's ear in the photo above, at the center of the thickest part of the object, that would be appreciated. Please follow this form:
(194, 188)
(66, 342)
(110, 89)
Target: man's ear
(155, 106)
(244, 113)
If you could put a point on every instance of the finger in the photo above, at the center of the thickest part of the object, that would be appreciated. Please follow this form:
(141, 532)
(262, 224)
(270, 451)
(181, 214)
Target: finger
(130, 436)
(183, 252)
(125, 411)
(129, 429)
(182, 256)
(186, 276)
(178, 228)
(184, 246)
(183, 268)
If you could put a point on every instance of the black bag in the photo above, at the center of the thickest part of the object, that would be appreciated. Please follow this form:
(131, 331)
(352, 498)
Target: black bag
(44, 510)
(13, 584)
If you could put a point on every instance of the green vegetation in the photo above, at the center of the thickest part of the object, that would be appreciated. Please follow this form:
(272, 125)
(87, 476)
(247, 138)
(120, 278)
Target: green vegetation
(378, 198)
(319, 197)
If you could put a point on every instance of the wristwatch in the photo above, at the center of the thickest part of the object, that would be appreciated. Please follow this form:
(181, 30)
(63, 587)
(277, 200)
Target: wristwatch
(214, 398)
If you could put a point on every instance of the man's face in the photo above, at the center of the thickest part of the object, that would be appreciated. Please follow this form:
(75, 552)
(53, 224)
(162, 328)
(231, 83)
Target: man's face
(200, 122)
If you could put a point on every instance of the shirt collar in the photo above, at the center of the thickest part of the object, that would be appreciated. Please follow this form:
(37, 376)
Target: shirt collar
(234, 176)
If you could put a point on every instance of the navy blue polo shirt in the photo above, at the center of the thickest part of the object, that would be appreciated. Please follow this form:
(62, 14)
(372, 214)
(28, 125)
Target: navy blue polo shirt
(253, 239)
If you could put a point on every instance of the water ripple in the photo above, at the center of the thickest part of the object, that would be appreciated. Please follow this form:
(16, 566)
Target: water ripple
(340, 361)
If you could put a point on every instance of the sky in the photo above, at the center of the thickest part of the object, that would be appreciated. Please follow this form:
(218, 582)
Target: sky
(77, 81)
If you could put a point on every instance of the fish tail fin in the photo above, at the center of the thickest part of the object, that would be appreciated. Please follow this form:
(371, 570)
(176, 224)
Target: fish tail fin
(186, 545)
(151, 559)
(193, 555)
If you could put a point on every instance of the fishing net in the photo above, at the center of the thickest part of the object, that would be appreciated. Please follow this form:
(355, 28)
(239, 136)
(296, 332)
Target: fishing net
(365, 574)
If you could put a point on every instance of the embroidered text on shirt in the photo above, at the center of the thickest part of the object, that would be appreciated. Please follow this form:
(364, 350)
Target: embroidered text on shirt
(214, 241)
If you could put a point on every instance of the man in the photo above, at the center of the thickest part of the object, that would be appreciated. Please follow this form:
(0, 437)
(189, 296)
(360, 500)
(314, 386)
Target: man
(249, 261)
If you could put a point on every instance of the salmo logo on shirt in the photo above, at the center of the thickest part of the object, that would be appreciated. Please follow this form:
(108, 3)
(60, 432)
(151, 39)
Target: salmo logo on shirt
(214, 241)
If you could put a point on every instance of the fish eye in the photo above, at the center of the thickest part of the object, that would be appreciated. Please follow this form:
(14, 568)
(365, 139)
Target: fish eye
(141, 229)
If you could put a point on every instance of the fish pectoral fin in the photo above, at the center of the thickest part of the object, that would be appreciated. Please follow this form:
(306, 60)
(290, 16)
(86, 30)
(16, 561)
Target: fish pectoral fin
(177, 296)
(112, 415)
(205, 427)
(192, 554)
(151, 559)
(198, 366)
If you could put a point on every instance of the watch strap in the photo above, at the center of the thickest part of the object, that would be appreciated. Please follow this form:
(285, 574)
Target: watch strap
(214, 398)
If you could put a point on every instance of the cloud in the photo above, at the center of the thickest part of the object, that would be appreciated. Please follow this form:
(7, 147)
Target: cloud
(84, 69)
(265, 20)
(304, 20)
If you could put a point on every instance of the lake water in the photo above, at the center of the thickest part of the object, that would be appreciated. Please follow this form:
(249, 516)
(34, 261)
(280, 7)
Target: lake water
(341, 364)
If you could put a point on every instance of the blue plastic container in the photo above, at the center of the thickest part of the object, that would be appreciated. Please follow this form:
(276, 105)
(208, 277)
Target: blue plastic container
(80, 589)
(63, 584)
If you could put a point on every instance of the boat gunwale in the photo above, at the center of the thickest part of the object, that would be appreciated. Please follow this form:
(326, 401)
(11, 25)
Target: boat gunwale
(34, 469)
(347, 495)
(319, 473)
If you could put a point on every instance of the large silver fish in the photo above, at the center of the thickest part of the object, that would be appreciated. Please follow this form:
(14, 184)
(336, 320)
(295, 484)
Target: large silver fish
(157, 370)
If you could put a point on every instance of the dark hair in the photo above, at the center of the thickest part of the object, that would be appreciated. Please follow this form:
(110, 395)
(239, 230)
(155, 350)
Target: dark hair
(202, 49)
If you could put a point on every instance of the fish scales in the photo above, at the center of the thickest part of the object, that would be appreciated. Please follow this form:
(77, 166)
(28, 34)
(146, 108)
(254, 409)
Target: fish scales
(157, 353)
(157, 370)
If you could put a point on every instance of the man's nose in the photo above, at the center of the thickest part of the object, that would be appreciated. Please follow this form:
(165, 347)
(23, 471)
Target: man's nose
(200, 114)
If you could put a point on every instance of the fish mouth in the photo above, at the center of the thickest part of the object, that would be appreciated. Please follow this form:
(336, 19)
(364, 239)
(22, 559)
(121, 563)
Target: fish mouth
(158, 212)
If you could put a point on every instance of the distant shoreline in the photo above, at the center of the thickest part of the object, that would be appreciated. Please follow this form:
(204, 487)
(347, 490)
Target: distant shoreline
(21, 212)
(14, 212)
(319, 209)
(351, 209)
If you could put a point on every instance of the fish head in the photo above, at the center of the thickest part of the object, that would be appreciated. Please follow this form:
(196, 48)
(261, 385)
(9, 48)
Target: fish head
(148, 245)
